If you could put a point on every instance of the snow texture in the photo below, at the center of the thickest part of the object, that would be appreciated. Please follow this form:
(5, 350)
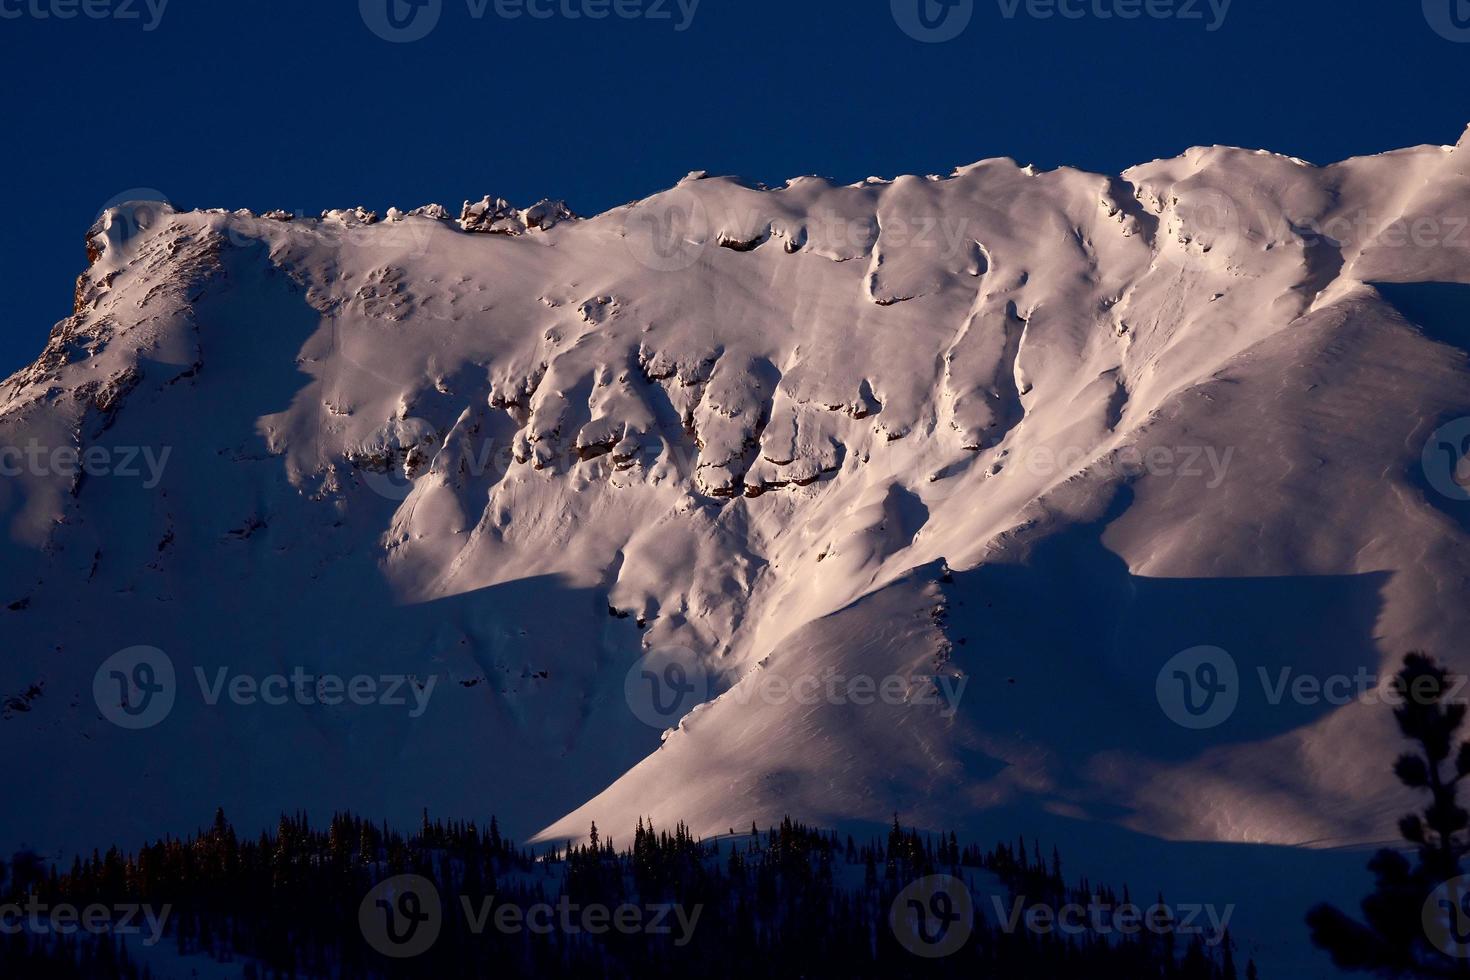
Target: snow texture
(874, 429)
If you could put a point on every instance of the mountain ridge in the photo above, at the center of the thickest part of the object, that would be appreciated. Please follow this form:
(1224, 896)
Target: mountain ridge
(722, 419)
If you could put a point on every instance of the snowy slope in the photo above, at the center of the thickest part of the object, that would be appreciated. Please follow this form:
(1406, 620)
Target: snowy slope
(895, 428)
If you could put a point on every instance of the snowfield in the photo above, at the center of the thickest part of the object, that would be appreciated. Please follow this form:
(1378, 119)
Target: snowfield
(1005, 440)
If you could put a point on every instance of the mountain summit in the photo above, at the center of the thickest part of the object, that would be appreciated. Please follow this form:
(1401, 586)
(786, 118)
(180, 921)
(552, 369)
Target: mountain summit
(936, 495)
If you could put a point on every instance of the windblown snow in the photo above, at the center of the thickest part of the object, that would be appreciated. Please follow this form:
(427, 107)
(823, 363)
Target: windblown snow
(1019, 437)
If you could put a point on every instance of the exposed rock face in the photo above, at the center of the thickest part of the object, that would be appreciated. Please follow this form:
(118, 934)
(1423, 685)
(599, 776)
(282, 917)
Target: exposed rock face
(499, 217)
(351, 216)
(1130, 415)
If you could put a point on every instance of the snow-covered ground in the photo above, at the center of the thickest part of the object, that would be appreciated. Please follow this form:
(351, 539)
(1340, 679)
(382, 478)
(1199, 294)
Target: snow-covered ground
(1009, 439)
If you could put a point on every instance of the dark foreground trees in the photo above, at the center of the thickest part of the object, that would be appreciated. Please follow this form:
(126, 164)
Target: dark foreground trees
(789, 901)
(1416, 922)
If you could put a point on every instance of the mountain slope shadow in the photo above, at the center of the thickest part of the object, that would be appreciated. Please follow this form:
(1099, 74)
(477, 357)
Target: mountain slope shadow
(1082, 673)
(1440, 309)
(525, 716)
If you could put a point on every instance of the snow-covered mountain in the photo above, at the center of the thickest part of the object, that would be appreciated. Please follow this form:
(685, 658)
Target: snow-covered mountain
(1006, 440)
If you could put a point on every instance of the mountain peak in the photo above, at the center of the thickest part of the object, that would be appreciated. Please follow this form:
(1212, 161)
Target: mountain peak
(732, 428)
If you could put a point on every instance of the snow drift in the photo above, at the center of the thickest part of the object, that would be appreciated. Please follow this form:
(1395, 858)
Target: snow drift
(1021, 435)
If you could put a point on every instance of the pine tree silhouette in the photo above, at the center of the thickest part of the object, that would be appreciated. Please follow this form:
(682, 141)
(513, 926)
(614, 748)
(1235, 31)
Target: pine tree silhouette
(287, 905)
(1393, 941)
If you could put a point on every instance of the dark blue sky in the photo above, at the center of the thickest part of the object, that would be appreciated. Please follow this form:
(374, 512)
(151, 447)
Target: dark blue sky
(299, 104)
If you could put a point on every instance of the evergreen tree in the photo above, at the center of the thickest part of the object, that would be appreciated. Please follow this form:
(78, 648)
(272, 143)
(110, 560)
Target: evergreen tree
(287, 906)
(1392, 939)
